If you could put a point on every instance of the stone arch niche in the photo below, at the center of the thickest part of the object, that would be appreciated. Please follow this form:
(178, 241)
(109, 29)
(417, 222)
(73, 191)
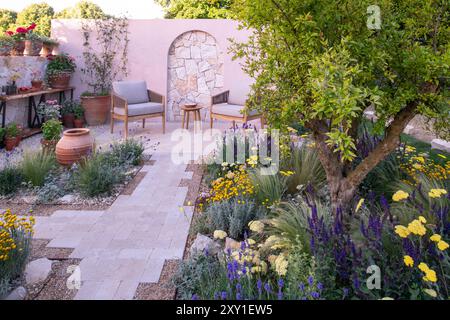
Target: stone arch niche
(195, 71)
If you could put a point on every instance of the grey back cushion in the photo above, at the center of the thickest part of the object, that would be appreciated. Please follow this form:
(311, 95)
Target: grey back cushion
(237, 98)
(133, 91)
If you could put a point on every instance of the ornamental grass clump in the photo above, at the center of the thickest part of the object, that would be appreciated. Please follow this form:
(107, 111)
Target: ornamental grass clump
(10, 180)
(36, 166)
(15, 241)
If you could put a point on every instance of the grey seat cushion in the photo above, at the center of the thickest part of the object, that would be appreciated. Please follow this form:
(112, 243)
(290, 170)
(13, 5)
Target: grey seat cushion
(133, 91)
(140, 109)
(232, 110)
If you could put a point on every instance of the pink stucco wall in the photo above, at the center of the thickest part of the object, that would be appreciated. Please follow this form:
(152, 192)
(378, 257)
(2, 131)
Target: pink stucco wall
(150, 41)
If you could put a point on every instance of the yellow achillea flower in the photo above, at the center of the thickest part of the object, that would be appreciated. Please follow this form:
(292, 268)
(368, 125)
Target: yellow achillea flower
(402, 231)
(430, 276)
(435, 238)
(281, 265)
(416, 227)
(358, 206)
(409, 262)
(219, 234)
(442, 245)
(423, 267)
(400, 195)
(437, 193)
(422, 219)
(256, 226)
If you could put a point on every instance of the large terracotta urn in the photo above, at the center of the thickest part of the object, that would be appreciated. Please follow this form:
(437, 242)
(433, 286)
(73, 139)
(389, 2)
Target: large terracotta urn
(96, 109)
(73, 146)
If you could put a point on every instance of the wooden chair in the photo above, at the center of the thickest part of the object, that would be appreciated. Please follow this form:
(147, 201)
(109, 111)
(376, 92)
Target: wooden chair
(225, 107)
(131, 101)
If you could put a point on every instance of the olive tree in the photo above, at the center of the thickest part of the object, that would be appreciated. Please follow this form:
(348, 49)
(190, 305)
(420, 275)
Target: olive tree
(323, 63)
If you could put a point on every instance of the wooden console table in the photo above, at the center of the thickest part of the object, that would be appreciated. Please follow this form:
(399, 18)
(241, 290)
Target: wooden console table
(33, 118)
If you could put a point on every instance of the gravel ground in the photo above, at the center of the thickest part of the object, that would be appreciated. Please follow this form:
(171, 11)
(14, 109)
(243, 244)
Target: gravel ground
(163, 290)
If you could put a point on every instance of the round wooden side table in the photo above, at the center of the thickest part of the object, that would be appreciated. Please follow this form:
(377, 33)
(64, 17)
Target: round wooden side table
(188, 108)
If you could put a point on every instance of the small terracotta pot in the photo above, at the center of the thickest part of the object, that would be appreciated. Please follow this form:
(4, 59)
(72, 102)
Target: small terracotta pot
(32, 48)
(49, 145)
(59, 81)
(68, 120)
(74, 146)
(47, 50)
(18, 48)
(10, 143)
(36, 84)
(78, 123)
(96, 109)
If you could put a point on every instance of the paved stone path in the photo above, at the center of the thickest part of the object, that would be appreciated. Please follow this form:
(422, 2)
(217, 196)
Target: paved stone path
(128, 243)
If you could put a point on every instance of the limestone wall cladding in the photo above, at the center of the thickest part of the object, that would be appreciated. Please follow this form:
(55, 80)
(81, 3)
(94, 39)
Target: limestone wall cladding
(195, 71)
(17, 110)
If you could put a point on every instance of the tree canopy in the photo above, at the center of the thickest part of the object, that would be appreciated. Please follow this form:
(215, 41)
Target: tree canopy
(197, 9)
(82, 10)
(39, 13)
(7, 18)
(322, 64)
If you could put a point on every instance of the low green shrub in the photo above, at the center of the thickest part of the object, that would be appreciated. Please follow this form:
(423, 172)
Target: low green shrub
(128, 152)
(35, 167)
(52, 129)
(10, 180)
(268, 189)
(97, 176)
(306, 168)
(233, 215)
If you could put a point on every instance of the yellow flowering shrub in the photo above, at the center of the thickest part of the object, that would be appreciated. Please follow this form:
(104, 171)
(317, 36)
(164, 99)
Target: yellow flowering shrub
(10, 226)
(230, 186)
(415, 164)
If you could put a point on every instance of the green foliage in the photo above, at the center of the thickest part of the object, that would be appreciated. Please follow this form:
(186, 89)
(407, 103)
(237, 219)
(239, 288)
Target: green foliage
(197, 9)
(61, 63)
(2, 134)
(128, 152)
(12, 130)
(268, 189)
(69, 106)
(233, 216)
(305, 164)
(39, 13)
(52, 129)
(78, 110)
(82, 10)
(7, 18)
(36, 166)
(199, 274)
(290, 222)
(10, 180)
(97, 176)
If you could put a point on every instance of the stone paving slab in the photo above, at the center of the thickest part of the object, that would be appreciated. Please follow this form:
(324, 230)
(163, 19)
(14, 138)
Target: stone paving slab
(128, 243)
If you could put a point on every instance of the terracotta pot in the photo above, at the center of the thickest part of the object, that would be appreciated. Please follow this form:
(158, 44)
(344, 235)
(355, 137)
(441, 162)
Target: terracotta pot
(32, 48)
(73, 146)
(36, 84)
(47, 49)
(10, 143)
(48, 145)
(59, 80)
(18, 48)
(68, 120)
(5, 50)
(78, 123)
(96, 109)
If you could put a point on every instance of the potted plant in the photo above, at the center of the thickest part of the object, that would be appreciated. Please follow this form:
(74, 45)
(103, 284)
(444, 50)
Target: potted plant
(12, 132)
(59, 70)
(51, 133)
(49, 109)
(11, 87)
(67, 112)
(48, 45)
(33, 42)
(19, 40)
(104, 62)
(6, 45)
(78, 111)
